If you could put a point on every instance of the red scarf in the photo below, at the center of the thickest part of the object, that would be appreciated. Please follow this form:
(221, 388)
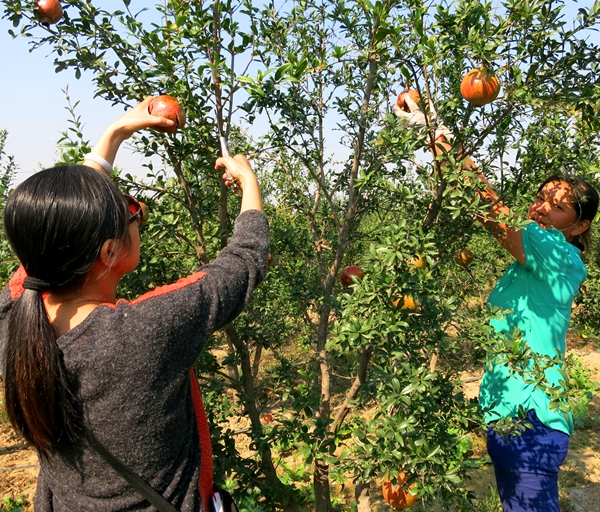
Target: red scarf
(206, 467)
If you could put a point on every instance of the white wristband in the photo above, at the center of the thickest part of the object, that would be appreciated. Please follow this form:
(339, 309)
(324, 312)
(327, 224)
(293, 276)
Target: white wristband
(105, 164)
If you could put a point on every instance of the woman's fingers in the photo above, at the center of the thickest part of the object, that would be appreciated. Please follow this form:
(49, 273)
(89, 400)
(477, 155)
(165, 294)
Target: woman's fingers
(412, 104)
(239, 170)
(243, 160)
(236, 165)
(138, 118)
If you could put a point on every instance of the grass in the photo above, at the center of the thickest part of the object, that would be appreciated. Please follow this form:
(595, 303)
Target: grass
(571, 478)
(13, 504)
(3, 415)
(489, 504)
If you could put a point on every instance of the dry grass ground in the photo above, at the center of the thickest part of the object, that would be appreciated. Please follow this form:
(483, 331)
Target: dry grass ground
(18, 466)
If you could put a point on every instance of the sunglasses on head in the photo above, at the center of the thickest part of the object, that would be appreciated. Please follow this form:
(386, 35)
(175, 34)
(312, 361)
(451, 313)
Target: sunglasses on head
(138, 211)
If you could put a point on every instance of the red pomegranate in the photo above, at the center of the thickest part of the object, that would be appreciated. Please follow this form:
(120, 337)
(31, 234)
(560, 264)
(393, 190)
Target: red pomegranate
(169, 107)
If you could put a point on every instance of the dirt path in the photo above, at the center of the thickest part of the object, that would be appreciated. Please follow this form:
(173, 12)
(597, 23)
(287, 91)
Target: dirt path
(18, 467)
(579, 480)
(580, 476)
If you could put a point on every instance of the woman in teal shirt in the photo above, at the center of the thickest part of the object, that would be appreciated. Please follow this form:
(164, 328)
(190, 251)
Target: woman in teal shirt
(536, 295)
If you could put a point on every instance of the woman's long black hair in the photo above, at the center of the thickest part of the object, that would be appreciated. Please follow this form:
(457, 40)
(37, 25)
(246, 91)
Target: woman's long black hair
(56, 222)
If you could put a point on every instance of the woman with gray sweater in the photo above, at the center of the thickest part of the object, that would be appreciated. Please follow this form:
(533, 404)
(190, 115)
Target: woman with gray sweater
(80, 366)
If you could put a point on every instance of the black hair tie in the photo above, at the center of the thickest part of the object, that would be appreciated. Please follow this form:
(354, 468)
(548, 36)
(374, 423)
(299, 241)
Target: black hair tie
(35, 284)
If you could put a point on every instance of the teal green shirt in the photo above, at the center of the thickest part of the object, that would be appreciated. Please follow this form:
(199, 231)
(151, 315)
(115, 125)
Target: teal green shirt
(538, 297)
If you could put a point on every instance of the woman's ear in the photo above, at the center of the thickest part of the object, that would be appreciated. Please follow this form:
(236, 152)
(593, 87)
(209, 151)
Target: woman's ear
(109, 253)
(582, 227)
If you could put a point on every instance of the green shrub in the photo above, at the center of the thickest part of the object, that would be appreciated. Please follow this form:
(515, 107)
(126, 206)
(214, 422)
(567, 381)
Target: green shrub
(13, 504)
(581, 390)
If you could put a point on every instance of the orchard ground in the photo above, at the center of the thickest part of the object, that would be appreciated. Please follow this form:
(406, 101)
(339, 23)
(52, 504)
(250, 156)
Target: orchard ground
(579, 480)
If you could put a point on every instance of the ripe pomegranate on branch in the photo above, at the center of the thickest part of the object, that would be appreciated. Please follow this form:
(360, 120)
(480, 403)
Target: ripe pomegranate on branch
(464, 258)
(480, 86)
(398, 496)
(348, 272)
(49, 11)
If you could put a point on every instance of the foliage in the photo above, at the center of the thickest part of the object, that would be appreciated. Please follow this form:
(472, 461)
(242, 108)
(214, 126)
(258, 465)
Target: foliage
(7, 173)
(13, 504)
(73, 147)
(582, 390)
(587, 309)
(587, 312)
(358, 388)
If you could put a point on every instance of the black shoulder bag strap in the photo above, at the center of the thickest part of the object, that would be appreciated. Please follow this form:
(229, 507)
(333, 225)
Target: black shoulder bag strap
(154, 498)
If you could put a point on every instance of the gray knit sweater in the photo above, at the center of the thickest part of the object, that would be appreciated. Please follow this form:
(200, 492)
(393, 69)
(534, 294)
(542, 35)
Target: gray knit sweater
(131, 362)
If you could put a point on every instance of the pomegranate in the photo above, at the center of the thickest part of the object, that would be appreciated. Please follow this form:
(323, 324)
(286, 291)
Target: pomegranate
(348, 272)
(464, 258)
(396, 495)
(49, 11)
(480, 86)
(407, 303)
(169, 107)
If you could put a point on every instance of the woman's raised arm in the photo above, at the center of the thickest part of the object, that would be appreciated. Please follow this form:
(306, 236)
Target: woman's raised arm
(103, 153)
(509, 237)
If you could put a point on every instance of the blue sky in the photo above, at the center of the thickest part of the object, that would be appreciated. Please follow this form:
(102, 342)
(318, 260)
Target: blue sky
(33, 109)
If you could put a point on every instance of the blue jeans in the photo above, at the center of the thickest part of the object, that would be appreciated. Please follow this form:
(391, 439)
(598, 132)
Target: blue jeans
(527, 466)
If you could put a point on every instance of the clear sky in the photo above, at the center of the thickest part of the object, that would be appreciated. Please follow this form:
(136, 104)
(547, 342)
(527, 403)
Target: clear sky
(33, 106)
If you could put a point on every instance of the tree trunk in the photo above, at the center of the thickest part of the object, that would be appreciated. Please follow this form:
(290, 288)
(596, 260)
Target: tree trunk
(363, 498)
(322, 490)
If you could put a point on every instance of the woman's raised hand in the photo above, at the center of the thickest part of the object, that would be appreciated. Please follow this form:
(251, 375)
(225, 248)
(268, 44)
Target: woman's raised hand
(241, 171)
(417, 118)
(105, 150)
(138, 118)
(239, 168)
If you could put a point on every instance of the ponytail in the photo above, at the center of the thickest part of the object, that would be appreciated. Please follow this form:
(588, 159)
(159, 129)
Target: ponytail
(40, 402)
(56, 222)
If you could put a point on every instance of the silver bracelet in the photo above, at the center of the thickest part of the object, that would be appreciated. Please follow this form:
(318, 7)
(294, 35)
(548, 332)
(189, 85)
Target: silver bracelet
(105, 164)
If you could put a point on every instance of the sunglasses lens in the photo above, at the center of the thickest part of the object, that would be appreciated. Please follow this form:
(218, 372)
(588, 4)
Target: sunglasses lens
(145, 212)
(133, 208)
(138, 211)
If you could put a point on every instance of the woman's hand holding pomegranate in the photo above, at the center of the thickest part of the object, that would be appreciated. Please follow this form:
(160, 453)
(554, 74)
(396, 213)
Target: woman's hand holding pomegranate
(418, 119)
(138, 118)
